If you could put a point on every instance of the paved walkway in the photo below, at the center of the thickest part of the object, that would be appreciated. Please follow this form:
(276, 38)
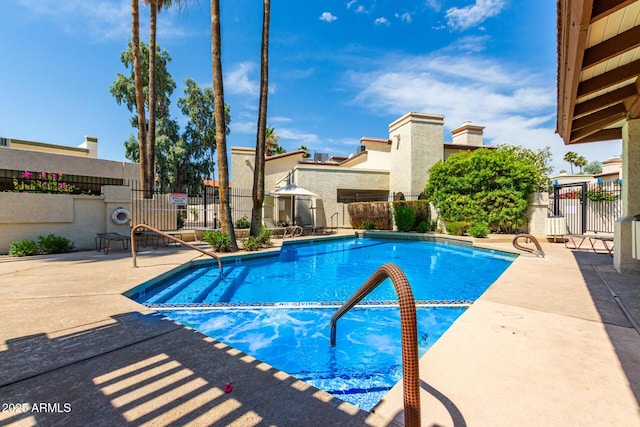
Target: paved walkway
(547, 344)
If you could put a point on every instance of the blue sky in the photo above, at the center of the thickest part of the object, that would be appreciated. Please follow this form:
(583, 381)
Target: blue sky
(339, 70)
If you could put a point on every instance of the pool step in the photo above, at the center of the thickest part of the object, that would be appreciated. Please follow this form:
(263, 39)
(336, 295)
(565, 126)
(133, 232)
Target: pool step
(227, 287)
(195, 290)
(169, 292)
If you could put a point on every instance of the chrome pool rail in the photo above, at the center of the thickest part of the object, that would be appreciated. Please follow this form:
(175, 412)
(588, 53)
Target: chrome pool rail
(537, 251)
(409, 332)
(170, 237)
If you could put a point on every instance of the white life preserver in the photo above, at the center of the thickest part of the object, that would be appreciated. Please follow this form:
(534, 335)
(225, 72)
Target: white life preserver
(121, 216)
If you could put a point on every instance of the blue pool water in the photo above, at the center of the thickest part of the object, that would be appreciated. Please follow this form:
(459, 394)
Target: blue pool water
(278, 309)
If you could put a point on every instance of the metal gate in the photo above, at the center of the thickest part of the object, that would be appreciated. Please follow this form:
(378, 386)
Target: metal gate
(201, 211)
(587, 206)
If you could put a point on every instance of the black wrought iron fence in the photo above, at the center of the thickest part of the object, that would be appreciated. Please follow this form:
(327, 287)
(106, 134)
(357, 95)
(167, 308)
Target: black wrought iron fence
(193, 210)
(52, 182)
(587, 206)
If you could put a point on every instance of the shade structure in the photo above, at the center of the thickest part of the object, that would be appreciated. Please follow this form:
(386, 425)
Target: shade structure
(293, 191)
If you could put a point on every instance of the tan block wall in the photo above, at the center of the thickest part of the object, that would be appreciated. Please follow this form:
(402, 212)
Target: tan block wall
(78, 218)
(537, 213)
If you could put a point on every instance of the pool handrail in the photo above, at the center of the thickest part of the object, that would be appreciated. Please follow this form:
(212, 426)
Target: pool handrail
(170, 237)
(409, 332)
(537, 252)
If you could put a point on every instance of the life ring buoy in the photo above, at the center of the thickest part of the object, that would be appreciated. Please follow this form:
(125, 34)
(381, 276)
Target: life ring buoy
(121, 216)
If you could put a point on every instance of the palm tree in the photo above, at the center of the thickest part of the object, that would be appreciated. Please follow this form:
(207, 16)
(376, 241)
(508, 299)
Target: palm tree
(580, 162)
(155, 6)
(571, 158)
(221, 134)
(137, 78)
(271, 141)
(261, 134)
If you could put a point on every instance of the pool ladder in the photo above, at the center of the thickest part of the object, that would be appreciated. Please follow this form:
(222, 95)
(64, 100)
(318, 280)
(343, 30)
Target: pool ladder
(528, 237)
(170, 237)
(410, 369)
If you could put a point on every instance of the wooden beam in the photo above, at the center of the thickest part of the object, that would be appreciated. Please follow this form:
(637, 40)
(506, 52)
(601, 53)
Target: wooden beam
(596, 126)
(599, 116)
(573, 25)
(633, 110)
(612, 47)
(606, 100)
(604, 8)
(610, 78)
(601, 135)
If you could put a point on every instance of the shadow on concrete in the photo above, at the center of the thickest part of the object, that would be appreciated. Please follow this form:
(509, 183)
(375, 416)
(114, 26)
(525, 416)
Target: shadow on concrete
(454, 412)
(137, 369)
(606, 286)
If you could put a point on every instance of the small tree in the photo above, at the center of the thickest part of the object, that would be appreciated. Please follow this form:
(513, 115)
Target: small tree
(593, 167)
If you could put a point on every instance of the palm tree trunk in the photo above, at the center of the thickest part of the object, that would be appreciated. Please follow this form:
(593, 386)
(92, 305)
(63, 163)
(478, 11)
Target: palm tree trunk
(221, 131)
(137, 78)
(258, 174)
(151, 134)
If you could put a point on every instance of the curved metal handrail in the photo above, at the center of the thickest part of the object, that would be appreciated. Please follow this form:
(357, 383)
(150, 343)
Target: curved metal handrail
(170, 237)
(410, 369)
(337, 215)
(539, 252)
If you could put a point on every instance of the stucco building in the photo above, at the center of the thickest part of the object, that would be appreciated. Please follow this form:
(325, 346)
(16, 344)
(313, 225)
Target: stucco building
(381, 169)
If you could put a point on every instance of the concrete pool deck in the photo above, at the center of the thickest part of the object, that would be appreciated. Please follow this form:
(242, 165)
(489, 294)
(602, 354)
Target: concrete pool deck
(546, 344)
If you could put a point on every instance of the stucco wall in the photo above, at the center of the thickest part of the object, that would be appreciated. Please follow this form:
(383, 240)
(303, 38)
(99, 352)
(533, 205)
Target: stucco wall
(76, 217)
(417, 140)
(378, 157)
(70, 165)
(326, 180)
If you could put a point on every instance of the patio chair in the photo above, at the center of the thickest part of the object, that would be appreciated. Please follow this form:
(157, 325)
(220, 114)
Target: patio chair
(575, 241)
(275, 230)
(103, 241)
(306, 228)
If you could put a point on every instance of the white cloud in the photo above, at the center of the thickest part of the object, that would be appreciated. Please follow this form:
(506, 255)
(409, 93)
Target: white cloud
(472, 15)
(434, 5)
(103, 20)
(328, 17)
(406, 17)
(361, 9)
(514, 107)
(300, 137)
(237, 80)
(471, 44)
(351, 3)
(382, 21)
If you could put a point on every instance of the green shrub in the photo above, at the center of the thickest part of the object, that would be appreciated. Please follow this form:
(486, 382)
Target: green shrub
(423, 227)
(219, 241)
(405, 217)
(243, 223)
(457, 228)
(376, 212)
(479, 229)
(368, 225)
(265, 236)
(251, 243)
(421, 208)
(23, 248)
(52, 244)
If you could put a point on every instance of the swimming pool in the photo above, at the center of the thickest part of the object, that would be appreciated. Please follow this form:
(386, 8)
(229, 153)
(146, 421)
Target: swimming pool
(278, 308)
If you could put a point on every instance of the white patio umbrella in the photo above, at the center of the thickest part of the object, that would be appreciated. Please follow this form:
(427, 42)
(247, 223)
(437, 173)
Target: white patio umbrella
(292, 191)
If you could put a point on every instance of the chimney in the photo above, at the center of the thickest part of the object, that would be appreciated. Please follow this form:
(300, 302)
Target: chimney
(91, 143)
(468, 134)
